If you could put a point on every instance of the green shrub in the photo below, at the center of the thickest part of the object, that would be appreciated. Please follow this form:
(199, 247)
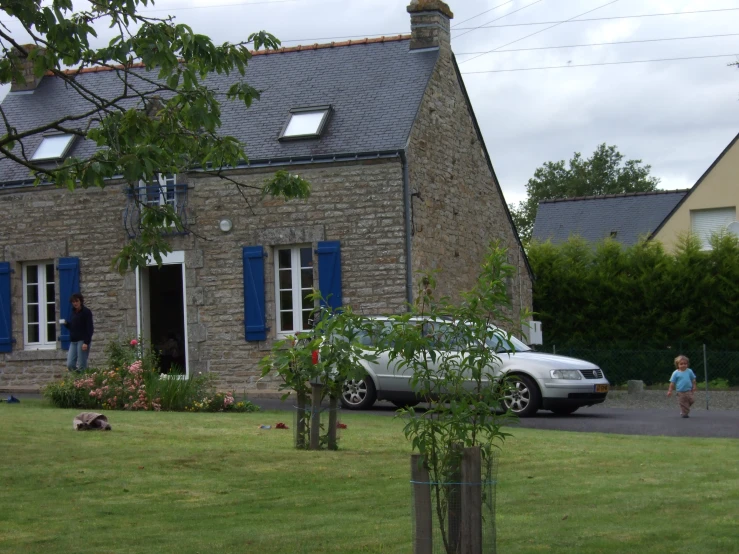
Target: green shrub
(718, 384)
(124, 353)
(222, 402)
(176, 393)
(64, 393)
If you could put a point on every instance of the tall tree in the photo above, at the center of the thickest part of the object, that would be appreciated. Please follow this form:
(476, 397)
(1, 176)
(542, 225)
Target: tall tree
(605, 172)
(164, 118)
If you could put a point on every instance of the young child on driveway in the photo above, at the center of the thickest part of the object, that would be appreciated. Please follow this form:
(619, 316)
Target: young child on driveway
(683, 379)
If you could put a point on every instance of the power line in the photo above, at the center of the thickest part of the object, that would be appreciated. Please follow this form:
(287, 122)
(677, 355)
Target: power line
(599, 63)
(539, 31)
(482, 13)
(499, 18)
(597, 19)
(599, 44)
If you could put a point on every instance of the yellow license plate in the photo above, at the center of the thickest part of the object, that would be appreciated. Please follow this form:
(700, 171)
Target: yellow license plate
(601, 388)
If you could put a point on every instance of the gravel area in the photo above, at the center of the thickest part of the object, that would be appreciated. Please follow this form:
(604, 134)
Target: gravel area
(657, 399)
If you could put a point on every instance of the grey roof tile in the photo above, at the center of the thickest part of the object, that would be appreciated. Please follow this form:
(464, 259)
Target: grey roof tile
(631, 216)
(374, 89)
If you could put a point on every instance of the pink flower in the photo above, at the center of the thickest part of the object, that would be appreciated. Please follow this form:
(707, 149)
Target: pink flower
(134, 342)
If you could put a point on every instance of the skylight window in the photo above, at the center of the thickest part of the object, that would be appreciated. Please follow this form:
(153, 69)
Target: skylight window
(305, 123)
(53, 147)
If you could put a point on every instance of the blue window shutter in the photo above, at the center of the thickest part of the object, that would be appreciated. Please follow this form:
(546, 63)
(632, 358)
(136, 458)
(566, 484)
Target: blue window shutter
(329, 273)
(69, 283)
(6, 329)
(255, 325)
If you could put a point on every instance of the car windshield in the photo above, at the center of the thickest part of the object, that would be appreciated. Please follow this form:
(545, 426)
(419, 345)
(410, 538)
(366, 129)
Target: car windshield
(449, 338)
(446, 338)
(511, 344)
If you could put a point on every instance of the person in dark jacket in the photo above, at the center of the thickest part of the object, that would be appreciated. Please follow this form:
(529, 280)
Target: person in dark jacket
(80, 334)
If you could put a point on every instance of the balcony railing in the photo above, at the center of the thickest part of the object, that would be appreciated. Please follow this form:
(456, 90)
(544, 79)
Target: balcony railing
(154, 195)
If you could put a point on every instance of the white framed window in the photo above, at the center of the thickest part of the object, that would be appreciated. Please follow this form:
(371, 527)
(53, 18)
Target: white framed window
(162, 190)
(704, 223)
(293, 285)
(52, 147)
(39, 306)
(305, 123)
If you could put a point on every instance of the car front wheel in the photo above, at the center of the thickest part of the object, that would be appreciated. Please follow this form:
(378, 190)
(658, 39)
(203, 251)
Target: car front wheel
(358, 394)
(522, 396)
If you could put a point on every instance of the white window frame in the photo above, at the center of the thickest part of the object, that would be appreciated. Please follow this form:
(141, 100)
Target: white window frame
(45, 152)
(296, 288)
(296, 127)
(166, 194)
(713, 220)
(44, 343)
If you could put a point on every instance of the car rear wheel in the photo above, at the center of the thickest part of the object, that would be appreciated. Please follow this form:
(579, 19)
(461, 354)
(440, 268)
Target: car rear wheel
(358, 394)
(522, 396)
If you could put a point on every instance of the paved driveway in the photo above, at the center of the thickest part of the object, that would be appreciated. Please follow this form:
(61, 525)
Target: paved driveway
(702, 423)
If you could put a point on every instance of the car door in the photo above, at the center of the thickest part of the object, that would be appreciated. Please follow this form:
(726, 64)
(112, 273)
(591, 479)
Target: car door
(389, 374)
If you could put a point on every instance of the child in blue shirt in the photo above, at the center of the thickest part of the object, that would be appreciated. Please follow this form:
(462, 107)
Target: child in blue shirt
(683, 379)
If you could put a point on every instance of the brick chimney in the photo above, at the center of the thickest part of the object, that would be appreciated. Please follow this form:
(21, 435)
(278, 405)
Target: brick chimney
(26, 66)
(430, 24)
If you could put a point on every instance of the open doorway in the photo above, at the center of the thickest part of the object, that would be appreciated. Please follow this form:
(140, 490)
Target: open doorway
(162, 312)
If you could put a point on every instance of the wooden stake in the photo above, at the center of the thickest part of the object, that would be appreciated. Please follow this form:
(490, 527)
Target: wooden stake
(315, 417)
(422, 541)
(454, 509)
(300, 426)
(332, 423)
(471, 540)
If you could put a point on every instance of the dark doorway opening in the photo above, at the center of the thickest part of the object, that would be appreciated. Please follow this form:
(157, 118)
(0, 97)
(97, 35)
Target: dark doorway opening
(167, 317)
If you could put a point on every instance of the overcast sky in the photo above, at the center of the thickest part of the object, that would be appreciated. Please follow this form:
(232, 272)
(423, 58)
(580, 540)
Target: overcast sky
(676, 116)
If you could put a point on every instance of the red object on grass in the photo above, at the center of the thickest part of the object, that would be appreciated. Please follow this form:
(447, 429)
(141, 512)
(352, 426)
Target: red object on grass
(341, 425)
(281, 426)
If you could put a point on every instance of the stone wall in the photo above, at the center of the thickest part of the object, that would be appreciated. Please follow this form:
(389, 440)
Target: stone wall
(359, 204)
(458, 208)
(44, 224)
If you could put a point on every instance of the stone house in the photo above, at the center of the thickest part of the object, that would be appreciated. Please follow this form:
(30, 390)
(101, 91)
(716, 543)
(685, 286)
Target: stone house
(401, 183)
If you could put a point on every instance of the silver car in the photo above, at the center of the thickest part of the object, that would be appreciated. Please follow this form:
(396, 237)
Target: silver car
(540, 381)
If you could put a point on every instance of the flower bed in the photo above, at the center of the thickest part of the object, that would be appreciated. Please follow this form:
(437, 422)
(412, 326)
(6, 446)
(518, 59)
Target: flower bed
(133, 381)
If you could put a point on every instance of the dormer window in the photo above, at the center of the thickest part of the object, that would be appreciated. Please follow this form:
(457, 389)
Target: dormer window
(305, 123)
(52, 148)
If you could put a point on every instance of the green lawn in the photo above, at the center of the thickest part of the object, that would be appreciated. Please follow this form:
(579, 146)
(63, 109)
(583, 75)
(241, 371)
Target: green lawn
(201, 483)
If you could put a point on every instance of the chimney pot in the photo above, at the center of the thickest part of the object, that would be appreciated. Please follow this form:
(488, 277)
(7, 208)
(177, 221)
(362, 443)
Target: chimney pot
(430, 24)
(25, 64)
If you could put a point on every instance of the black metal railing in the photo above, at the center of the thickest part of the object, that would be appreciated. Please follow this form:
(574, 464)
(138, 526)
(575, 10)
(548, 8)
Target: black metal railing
(654, 367)
(154, 195)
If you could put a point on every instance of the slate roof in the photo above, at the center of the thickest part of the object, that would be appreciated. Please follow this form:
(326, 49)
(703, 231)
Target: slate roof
(374, 86)
(631, 216)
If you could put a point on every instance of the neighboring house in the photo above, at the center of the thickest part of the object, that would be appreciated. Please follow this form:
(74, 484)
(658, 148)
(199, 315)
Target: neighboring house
(401, 183)
(665, 215)
(626, 218)
(710, 206)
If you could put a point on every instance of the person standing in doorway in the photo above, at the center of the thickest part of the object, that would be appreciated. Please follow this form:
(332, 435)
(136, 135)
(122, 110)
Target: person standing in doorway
(80, 334)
